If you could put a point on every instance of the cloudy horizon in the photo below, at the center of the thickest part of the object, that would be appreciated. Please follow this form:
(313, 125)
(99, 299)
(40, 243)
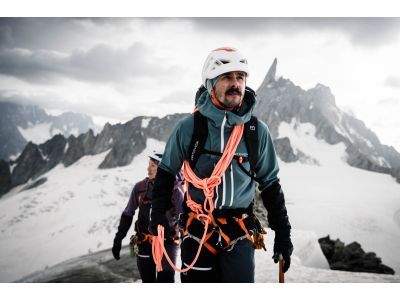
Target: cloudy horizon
(117, 68)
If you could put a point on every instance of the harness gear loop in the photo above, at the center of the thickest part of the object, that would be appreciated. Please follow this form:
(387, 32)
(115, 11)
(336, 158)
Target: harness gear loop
(207, 185)
(146, 237)
(241, 224)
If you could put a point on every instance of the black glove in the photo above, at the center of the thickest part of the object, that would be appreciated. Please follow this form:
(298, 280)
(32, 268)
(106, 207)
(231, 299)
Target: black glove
(283, 248)
(162, 194)
(116, 248)
(124, 225)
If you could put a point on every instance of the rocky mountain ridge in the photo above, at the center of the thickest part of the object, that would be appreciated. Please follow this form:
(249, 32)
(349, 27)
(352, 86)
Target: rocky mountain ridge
(19, 123)
(123, 141)
(279, 100)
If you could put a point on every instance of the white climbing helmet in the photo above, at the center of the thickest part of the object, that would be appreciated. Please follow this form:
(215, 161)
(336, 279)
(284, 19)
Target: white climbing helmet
(157, 156)
(223, 60)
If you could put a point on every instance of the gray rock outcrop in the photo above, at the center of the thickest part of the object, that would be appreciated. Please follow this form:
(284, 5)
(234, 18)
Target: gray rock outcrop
(351, 257)
(123, 141)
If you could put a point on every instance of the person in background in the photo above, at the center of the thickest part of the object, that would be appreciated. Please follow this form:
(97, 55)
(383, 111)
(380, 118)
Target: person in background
(141, 197)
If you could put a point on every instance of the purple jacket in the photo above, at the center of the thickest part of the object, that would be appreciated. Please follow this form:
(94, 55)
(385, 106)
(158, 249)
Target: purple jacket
(141, 197)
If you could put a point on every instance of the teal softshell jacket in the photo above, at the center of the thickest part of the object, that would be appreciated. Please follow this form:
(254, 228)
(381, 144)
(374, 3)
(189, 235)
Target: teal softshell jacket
(237, 189)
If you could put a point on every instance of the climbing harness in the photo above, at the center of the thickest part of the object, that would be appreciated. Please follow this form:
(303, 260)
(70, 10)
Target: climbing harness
(207, 185)
(136, 240)
(202, 213)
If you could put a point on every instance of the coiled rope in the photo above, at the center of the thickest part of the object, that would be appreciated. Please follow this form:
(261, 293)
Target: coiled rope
(207, 185)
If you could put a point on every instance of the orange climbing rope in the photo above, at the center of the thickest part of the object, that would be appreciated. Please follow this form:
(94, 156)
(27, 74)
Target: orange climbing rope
(207, 185)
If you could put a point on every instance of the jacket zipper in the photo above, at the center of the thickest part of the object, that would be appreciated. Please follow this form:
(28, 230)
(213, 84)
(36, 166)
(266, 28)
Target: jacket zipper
(222, 150)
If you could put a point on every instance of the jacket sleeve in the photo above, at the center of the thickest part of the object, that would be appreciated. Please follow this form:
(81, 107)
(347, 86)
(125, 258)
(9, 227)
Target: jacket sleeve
(274, 201)
(177, 147)
(127, 215)
(162, 193)
(174, 154)
(271, 192)
(267, 168)
(132, 203)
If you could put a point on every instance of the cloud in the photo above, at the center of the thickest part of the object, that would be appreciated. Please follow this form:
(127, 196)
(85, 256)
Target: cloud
(5, 36)
(64, 33)
(368, 32)
(392, 81)
(389, 101)
(101, 64)
(43, 100)
(179, 98)
(58, 34)
(51, 101)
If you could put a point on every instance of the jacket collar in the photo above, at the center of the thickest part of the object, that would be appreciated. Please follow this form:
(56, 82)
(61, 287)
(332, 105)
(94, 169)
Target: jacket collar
(216, 115)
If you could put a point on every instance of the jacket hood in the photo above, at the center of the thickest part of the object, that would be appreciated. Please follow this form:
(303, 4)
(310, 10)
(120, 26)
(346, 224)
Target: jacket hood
(216, 115)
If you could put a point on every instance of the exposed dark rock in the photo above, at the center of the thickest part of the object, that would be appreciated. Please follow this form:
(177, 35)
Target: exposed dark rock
(28, 165)
(79, 147)
(160, 129)
(53, 152)
(36, 160)
(357, 159)
(351, 257)
(286, 153)
(107, 138)
(129, 141)
(5, 177)
(270, 77)
(285, 150)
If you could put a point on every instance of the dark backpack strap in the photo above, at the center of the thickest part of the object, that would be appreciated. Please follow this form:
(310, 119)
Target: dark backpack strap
(199, 137)
(251, 140)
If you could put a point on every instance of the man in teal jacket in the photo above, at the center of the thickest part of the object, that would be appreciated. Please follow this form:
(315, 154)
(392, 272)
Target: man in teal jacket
(228, 255)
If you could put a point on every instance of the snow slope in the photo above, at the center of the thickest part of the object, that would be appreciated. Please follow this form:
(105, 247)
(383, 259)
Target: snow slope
(42, 132)
(37, 134)
(77, 210)
(345, 202)
(101, 267)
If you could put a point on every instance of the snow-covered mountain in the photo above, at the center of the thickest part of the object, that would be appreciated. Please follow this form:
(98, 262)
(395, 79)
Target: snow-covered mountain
(124, 140)
(63, 198)
(20, 124)
(281, 101)
(77, 209)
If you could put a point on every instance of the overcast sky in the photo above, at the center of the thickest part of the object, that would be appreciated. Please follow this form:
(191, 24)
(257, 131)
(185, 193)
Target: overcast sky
(117, 68)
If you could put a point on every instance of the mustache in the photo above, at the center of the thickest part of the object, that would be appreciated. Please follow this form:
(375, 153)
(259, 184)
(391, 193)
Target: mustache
(234, 90)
